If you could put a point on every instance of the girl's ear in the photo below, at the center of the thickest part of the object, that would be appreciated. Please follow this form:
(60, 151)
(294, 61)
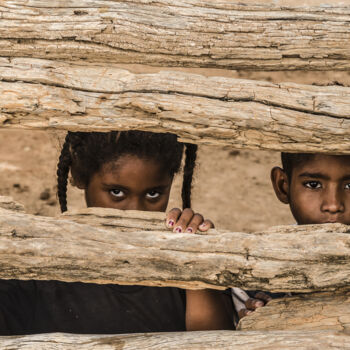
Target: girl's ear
(75, 181)
(280, 184)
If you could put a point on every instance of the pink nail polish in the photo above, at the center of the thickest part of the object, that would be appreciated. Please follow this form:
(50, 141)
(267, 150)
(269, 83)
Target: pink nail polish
(171, 223)
(178, 229)
(189, 229)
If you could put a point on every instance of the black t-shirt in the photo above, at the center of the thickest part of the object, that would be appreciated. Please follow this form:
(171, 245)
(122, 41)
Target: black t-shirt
(28, 307)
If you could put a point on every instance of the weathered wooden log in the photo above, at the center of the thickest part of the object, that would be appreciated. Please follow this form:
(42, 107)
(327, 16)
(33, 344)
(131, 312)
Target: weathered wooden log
(287, 340)
(267, 35)
(302, 312)
(211, 110)
(289, 258)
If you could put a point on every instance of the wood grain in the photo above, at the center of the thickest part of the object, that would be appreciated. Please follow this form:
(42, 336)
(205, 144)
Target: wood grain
(286, 258)
(41, 94)
(277, 340)
(268, 35)
(302, 312)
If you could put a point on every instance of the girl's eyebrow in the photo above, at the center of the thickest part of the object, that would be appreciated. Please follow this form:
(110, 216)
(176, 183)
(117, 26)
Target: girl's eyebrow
(111, 185)
(315, 175)
(161, 187)
(346, 178)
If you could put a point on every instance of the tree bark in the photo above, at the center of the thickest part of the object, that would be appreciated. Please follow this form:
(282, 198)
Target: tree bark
(209, 110)
(267, 35)
(287, 340)
(302, 312)
(289, 258)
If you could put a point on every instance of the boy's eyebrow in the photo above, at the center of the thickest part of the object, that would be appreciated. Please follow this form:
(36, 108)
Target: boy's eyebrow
(315, 175)
(346, 178)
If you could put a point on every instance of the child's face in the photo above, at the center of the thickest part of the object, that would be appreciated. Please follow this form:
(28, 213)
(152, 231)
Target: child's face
(318, 191)
(129, 183)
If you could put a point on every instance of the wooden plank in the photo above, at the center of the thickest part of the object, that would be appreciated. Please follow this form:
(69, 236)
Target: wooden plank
(289, 258)
(269, 35)
(287, 340)
(302, 312)
(209, 110)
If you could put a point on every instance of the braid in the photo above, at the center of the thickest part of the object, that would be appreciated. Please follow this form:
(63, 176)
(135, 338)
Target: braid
(63, 166)
(190, 162)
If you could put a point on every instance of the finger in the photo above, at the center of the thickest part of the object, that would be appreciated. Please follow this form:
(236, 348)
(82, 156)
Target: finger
(244, 312)
(238, 304)
(263, 296)
(172, 217)
(252, 304)
(240, 293)
(183, 221)
(196, 220)
(206, 225)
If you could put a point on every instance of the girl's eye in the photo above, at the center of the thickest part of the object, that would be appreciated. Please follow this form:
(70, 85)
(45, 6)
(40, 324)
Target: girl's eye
(152, 194)
(347, 186)
(312, 184)
(117, 193)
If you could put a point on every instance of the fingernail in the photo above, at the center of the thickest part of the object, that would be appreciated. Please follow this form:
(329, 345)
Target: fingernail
(178, 229)
(259, 304)
(202, 226)
(189, 229)
(170, 223)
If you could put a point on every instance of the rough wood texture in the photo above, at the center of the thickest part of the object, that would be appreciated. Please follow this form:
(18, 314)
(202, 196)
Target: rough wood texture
(286, 258)
(265, 35)
(302, 312)
(287, 340)
(211, 110)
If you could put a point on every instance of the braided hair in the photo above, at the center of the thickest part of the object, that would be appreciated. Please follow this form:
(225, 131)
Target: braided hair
(84, 153)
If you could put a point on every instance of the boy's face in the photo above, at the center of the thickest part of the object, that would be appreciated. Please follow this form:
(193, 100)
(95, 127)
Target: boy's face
(318, 191)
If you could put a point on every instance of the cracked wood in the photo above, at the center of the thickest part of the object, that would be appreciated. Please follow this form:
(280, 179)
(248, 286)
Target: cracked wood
(302, 312)
(287, 340)
(269, 35)
(210, 110)
(289, 258)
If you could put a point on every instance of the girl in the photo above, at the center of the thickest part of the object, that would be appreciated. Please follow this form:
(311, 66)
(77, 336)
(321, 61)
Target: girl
(132, 170)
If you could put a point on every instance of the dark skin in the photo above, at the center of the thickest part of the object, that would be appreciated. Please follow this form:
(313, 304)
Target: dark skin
(317, 192)
(133, 183)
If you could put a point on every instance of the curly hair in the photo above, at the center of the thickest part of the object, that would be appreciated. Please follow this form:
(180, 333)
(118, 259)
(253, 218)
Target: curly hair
(86, 152)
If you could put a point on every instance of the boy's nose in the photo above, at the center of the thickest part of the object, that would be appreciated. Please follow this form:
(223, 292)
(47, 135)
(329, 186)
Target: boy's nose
(333, 201)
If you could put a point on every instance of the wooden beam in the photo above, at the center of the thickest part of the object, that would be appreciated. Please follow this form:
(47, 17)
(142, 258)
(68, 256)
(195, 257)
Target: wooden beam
(289, 258)
(269, 35)
(209, 110)
(302, 312)
(287, 340)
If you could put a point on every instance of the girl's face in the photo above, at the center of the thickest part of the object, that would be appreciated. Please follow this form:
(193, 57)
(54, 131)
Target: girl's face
(129, 183)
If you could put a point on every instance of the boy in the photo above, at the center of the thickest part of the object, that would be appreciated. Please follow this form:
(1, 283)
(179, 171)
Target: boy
(317, 189)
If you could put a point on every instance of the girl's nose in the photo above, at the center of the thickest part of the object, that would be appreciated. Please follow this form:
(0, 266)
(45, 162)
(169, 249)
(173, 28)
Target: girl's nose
(333, 201)
(135, 203)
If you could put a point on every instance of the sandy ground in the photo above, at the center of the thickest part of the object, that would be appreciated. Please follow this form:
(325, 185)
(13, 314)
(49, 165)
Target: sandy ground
(231, 187)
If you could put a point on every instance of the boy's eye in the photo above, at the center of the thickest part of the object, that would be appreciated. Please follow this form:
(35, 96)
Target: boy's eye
(347, 186)
(117, 193)
(312, 184)
(152, 194)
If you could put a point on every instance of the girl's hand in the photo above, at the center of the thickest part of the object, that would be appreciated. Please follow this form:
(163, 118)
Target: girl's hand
(245, 305)
(187, 221)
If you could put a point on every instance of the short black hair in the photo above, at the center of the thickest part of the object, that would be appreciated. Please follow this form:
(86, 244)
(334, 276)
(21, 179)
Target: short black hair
(86, 152)
(291, 160)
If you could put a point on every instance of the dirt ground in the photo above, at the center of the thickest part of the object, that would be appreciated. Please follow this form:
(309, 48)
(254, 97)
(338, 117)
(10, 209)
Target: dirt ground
(231, 187)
